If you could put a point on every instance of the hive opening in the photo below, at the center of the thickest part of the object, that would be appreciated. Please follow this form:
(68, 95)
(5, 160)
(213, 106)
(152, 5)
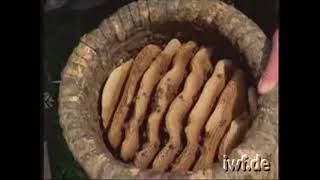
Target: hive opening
(184, 34)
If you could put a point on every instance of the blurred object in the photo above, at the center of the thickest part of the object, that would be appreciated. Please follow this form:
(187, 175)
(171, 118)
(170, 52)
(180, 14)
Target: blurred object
(73, 4)
(231, 2)
(85, 4)
(46, 164)
(54, 4)
(46, 72)
(48, 100)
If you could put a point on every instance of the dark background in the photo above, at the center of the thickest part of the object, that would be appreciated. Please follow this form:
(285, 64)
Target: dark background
(63, 28)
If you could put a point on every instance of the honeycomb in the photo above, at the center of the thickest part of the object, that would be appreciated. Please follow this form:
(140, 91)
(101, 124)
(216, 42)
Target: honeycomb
(174, 108)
